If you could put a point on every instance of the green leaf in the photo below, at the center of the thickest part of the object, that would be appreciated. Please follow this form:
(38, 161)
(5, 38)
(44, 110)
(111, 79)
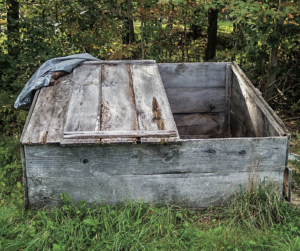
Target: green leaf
(90, 222)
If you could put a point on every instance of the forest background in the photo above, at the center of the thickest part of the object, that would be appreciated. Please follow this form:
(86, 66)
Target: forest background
(263, 37)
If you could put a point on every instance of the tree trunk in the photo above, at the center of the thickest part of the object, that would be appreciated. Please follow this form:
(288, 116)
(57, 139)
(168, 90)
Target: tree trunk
(273, 63)
(210, 52)
(142, 31)
(13, 27)
(130, 23)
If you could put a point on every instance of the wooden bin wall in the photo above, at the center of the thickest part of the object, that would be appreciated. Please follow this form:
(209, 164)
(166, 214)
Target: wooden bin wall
(192, 172)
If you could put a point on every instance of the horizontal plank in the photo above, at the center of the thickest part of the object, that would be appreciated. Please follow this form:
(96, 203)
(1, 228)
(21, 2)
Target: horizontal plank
(205, 156)
(193, 100)
(119, 62)
(120, 134)
(204, 75)
(190, 190)
(210, 124)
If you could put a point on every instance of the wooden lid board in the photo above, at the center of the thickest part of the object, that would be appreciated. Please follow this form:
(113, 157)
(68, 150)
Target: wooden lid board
(103, 103)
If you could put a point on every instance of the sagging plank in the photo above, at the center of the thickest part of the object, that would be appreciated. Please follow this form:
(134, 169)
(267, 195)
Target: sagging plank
(85, 102)
(243, 85)
(180, 75)
(118, 104)
(211, 124)
(194, 156)
(190, 190)
(120, 134)
(194, 100)
(250, 114)
(152, 105)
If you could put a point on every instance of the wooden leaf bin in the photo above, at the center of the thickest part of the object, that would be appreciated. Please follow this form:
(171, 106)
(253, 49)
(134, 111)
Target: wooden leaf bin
(187, 133)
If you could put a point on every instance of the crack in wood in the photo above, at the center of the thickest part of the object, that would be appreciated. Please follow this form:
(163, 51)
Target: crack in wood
(157, 116)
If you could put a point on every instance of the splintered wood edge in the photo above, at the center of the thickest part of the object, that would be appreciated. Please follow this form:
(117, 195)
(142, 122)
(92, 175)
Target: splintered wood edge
(29, 114)
(119, 134)
(266, 108)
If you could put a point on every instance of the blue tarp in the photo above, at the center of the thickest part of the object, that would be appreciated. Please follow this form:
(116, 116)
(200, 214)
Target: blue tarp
(42, 76)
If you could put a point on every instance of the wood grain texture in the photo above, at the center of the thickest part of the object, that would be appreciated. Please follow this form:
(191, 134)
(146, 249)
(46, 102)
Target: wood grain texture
(38, 126)
(24, 131)
(194, 100)
(249, 92)
(119, 135)
(117, 62)
(237, 128)
(190, 190)
(194, 156)
(60, 103)
(85, 102)
(227, 100)
(152, 105)
(118, 103)
(25, 185)
(250, 114)
(180, 75)
(206, 124)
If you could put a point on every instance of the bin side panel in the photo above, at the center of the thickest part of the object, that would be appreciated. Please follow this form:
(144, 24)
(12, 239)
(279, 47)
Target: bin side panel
(191, 190)
(197, 90)
(187, 170)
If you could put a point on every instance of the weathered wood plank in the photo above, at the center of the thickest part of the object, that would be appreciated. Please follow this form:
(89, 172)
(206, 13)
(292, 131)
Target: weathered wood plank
(152, 105)
(118, 104)
(38, 126)
(25, 185)
(29, 116)
(85, 102)
(193, 100)
(119, 62)
(228, 99)
(196, 156)
(60, 104)
(209, 124)
(180, 75)
(120, 134)
(190, 190)
(248, 91)
(250, 114)
(237, 129)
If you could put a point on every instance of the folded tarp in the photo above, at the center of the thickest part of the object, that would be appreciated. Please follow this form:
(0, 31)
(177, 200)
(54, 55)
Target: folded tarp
(43, 75)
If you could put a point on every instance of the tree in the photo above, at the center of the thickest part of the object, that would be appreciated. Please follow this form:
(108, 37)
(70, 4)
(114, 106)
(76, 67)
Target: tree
(12, 27)
(212, 29)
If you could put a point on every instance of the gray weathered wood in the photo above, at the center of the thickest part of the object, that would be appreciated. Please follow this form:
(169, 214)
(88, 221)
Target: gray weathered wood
(228, 99)
(85, 102)
(209, 124)
(60, 104)
(180, 75)
(196, 156)
(193, 100)
(29, 116)
(248, 91)
(118, 104)
(119, 62)
(250, 114)
(25, 184)
(38, 126)
(237, 128)
(152, 105)
(120, 134)
(190, 190)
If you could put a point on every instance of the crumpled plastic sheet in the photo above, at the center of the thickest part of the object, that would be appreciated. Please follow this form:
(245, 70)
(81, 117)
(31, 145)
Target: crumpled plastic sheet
(43, 75)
